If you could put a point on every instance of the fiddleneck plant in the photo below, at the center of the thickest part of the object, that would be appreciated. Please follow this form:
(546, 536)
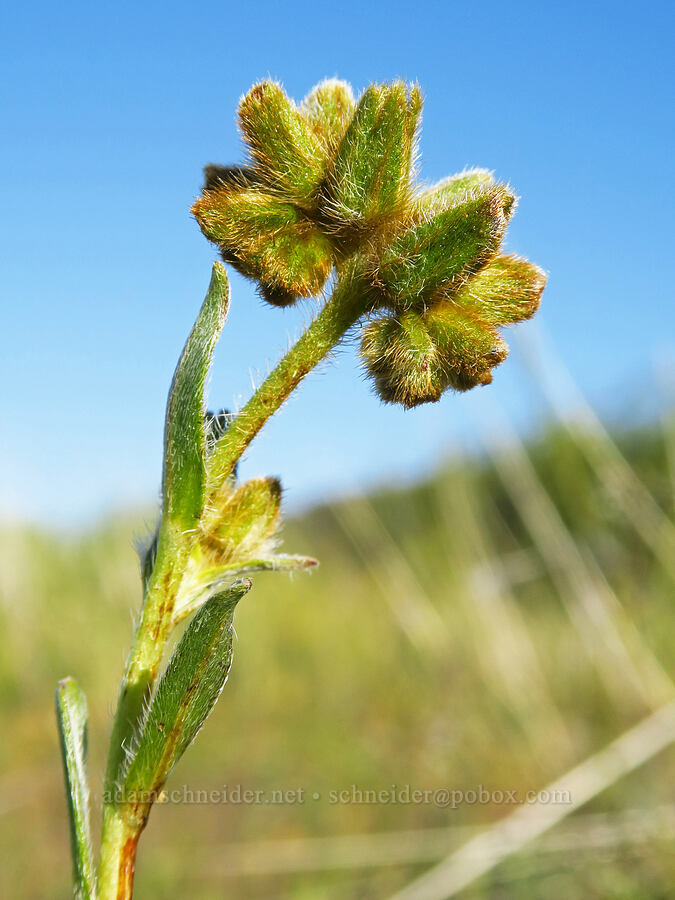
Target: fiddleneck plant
(327, 204)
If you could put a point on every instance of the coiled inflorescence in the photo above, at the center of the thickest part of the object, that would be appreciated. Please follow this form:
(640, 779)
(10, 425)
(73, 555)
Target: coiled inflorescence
(332, 181)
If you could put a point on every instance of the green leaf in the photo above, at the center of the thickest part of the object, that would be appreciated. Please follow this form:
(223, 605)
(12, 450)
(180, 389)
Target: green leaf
(215, 579)
(184, 468)
(186, 694)
(71, 715)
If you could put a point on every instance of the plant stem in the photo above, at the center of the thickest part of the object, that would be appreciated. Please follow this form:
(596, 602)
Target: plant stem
(120, 832)
(346, 305)
(148, 646)
(118, 856)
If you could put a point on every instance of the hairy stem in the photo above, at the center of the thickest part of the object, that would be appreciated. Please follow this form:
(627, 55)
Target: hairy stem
(346, 305)
(148, 646)
(118, 856)
(121, 832)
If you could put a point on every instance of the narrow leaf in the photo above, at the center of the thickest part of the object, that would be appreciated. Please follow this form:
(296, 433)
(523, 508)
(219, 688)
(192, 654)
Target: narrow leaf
(71, 716)
(183, 481)
(218, 578)
(186, 694)
(282, 562)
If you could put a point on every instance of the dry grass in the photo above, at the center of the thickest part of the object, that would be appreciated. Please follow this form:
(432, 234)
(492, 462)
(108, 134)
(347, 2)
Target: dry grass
(495, 626)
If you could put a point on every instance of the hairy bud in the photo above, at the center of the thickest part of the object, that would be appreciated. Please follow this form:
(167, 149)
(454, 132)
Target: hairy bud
(403, 360)
(330, 187)
(243, 521)
(442, 249)
(267, 239)
(507, 290)
(281, 142)
(370, 176)
(329, 109)
(413, 358)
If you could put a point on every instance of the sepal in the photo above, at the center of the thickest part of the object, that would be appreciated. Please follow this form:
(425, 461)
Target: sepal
(209, 581)
(370, 178)
(450, 190)
(329, 108)
(505, 291)
(442, 249)
(469, 348)
(281, 142)
(268, 239)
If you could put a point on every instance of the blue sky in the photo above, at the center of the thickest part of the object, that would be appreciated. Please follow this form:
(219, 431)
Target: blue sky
(109, 112)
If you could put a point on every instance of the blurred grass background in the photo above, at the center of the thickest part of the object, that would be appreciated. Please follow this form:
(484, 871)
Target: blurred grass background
(493, 625)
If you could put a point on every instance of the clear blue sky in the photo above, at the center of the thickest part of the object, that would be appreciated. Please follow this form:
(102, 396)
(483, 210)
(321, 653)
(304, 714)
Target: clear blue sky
(109, 112)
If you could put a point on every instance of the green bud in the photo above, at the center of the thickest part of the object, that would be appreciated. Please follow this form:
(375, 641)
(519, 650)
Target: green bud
(413, 358)
(329, 108)
(448, 191)
(507, 290)
(370, 177)
(283, 145)
(236, 536)
(438, 253)
(241, 523)
(401, 357)
(237, 526)
(468, 348)
(331, 187)
(267, 239)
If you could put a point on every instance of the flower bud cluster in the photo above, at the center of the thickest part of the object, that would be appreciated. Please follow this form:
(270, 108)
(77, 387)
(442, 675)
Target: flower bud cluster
(333, 180)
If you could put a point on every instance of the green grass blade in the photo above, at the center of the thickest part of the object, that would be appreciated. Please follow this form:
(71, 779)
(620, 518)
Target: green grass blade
(71, 715)
(183, 481)
(186, 694)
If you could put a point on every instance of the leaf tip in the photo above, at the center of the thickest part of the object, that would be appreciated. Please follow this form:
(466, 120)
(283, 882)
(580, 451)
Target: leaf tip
(220, 284)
